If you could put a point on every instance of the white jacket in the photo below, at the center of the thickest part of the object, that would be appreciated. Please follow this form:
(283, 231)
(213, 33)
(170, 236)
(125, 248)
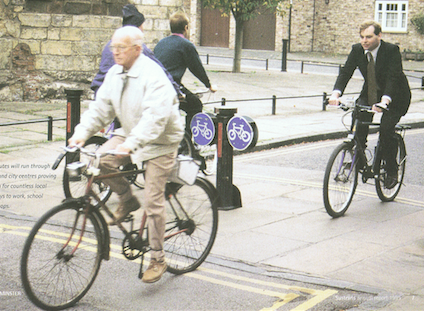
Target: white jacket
(148, 112)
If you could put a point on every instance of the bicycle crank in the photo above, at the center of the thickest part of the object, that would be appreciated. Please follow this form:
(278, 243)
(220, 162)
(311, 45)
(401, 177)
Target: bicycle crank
(133, 246)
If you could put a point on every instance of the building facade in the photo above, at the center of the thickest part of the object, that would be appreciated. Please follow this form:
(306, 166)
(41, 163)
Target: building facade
(49, 45)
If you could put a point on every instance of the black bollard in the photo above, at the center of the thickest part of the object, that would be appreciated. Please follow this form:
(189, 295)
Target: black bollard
(73, 112)
(284, 56)
(229, 194)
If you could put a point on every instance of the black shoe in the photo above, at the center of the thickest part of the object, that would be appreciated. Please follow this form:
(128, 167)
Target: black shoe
(390, 182)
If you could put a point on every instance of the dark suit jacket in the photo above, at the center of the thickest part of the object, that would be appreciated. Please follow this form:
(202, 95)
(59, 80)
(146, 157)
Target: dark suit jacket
(391, 80)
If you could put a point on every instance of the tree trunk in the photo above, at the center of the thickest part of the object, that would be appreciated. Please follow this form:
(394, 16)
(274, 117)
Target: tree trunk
(238, 45)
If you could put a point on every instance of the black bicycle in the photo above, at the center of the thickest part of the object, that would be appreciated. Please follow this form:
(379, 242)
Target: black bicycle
(350, 158)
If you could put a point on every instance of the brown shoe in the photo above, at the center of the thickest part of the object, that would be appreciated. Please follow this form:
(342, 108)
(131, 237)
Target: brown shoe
(124, 209)
(155, 271)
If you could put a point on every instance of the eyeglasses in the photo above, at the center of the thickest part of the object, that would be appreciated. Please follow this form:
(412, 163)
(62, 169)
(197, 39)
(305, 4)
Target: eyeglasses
(119, 48)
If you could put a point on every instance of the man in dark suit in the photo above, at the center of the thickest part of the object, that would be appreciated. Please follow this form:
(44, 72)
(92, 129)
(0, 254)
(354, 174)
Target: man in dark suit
(387, 87)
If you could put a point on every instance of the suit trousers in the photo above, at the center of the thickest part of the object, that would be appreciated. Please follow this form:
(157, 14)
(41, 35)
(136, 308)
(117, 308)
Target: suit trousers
(388, 141)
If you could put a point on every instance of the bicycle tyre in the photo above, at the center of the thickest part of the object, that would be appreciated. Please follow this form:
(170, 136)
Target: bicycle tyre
(52, 277)
(76, 188)
(193, 208)
(387, 195)
(186, 146)
(340, 180)
(209, 154)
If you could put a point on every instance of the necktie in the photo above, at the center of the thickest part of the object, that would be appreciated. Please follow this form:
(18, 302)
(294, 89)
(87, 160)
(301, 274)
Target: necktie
(372, 83)
(124, 83)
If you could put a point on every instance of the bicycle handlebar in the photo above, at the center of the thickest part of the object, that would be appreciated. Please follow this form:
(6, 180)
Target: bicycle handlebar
(93, 154)
(345, 107)
(74, 149)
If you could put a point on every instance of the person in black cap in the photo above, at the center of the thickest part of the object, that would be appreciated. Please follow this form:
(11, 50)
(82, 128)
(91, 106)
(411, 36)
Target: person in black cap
(131, 17)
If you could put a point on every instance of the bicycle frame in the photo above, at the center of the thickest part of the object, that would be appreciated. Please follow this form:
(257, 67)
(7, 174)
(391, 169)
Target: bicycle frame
(367, 171)
(89, 208)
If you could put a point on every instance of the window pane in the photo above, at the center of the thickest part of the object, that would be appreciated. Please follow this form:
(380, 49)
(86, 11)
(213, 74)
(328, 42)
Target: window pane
(391, 20)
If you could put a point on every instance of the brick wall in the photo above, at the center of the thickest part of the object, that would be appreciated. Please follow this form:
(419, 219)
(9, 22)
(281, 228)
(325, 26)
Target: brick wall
(43, 49)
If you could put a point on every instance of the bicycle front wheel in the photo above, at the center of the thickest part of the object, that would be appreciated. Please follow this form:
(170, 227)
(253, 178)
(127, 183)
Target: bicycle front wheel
(192, 223)
(57, 269)
(387, 195)
(75, 187)
(340, 180)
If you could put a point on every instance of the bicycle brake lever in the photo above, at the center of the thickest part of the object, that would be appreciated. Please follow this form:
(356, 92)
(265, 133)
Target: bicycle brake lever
(382, 106)
(58, 160)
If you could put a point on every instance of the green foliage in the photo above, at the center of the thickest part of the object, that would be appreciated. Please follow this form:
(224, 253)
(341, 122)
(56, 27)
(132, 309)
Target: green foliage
(243, 9)
(418, 22)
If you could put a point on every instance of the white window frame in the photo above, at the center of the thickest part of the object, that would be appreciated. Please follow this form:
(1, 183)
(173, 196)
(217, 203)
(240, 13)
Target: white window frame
(387, 11)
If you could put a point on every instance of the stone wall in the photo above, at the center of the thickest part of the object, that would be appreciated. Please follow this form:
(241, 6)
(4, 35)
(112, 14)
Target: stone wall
(41, 54)
(332, 26)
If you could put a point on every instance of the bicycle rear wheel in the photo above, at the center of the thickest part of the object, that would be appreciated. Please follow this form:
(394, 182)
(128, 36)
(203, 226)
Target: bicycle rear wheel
(192, 223)
(209, 155)
(387, 195)
(340, 180)
(56, 270)
(186, 146)
(75, 187)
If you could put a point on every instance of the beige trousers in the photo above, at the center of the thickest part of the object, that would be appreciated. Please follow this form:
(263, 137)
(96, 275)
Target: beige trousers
(156, 176)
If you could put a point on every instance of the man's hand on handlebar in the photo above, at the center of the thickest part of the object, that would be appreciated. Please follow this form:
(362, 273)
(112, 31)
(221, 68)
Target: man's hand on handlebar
(334, 100)
(122, 151)
(73, 142)
(380, 107)
(213, 88)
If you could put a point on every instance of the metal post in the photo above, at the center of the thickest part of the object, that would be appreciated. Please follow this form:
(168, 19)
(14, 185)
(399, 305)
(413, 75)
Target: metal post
(324, 98)
(274, 103)
(223, 101)
(284, 56)
(229, 194)
(301, 66)
(422, 83)
(207, 59)
(50, 128)
(266, 64)
(73, 112)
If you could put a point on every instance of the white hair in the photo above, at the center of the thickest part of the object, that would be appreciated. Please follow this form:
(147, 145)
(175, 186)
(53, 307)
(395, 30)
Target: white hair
(132, 32)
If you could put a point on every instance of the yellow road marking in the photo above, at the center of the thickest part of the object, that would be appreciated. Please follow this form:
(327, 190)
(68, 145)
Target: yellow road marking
(283, 298)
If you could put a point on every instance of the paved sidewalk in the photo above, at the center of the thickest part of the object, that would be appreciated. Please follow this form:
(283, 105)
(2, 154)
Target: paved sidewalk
(296, 120)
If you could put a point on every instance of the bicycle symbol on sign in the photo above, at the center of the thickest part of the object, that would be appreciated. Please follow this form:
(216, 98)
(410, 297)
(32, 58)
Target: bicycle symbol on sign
(202, 129)
(239, 132)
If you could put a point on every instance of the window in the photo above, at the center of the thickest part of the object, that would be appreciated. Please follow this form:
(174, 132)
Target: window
(392, 15)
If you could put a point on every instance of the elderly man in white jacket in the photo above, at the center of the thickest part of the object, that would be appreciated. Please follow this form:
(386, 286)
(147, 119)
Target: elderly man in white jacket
(138, 92)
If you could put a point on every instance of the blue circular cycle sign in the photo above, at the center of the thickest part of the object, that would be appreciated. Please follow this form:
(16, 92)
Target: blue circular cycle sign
(202, 128)
(239, 133)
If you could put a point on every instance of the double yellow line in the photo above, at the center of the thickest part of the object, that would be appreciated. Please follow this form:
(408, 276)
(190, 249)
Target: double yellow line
(216, 277)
